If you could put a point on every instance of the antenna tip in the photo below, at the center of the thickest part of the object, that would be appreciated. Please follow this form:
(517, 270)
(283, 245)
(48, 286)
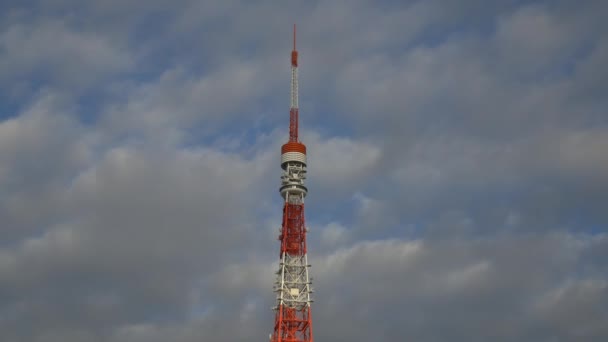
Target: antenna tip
(294, 53)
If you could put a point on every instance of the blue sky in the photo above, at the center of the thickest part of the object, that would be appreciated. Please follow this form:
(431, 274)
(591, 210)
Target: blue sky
(457, 168)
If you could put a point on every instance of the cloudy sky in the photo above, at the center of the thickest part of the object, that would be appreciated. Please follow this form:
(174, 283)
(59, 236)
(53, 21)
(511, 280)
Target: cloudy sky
(458, 168)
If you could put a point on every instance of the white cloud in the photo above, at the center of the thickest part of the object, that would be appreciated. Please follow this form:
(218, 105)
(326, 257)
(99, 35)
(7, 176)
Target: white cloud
(66, 56)
(333, 234)
(339, 163)
(532, 37)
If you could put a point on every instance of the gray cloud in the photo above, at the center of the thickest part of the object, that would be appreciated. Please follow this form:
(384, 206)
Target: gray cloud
(41, 150)
(471, 290)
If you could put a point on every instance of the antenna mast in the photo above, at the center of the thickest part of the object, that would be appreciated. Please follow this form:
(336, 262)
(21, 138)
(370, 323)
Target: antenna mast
(293, 111)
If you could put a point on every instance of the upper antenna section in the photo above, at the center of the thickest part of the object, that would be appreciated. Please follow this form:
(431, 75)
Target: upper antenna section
(293, 111)
(294, 53)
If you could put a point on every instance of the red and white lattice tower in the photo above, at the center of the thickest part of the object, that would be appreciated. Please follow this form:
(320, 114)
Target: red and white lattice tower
(293, 321)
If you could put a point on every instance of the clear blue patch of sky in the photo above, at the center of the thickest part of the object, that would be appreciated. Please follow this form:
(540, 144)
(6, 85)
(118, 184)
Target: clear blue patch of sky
(9, 107)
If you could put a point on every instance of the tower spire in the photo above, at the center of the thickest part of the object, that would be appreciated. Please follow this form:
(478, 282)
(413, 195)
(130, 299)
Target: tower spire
(293, 319)
(293, 111)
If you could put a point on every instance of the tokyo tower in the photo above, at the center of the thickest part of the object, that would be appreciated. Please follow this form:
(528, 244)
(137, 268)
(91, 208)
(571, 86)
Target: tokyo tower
(293, 319)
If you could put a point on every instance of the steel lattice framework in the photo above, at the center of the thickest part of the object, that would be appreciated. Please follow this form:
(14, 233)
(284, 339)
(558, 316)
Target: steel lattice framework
(293, 319)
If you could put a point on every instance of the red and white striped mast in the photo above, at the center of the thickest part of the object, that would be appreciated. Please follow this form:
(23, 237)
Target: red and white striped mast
(293, 319)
